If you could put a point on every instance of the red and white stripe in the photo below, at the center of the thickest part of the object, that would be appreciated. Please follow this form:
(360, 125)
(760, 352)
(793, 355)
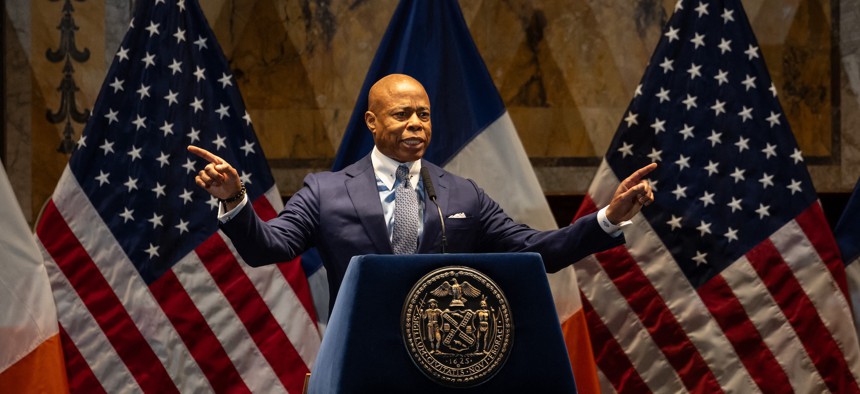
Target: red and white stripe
(774, 321)
(209, 324)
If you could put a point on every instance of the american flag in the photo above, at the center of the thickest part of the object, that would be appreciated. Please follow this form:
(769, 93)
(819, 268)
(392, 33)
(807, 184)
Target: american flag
(731, 281)
(151, 297)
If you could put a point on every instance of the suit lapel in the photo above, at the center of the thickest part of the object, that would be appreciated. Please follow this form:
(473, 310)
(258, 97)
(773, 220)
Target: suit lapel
(361, 186)
(431, 237)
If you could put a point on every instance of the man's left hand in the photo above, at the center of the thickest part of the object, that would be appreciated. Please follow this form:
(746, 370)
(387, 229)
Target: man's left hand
(632, 194)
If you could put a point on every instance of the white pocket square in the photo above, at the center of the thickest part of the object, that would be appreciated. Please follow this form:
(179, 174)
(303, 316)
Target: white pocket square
(458, 215)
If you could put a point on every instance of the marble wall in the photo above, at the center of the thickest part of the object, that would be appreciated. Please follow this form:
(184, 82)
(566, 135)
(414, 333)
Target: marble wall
(565, 69)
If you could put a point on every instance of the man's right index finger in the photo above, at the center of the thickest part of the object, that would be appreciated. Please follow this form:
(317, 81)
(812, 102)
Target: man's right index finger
(205, 154)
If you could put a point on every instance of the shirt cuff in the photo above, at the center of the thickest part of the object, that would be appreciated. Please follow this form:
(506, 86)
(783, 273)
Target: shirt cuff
(611, 229)
(225, 217)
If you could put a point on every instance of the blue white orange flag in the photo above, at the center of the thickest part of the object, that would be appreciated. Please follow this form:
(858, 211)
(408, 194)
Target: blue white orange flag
(847, 234)
(731, 281)
(151, 296)
(32, 359)
(473, 135)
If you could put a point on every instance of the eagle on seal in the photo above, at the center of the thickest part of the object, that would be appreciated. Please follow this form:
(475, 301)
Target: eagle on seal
(457, 291)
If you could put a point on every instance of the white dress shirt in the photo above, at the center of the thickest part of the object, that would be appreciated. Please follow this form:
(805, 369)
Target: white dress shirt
(385, 169)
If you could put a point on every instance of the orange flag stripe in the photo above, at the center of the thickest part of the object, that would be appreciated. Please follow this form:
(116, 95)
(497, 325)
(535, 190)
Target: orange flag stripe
(578, 343)
(41, 371)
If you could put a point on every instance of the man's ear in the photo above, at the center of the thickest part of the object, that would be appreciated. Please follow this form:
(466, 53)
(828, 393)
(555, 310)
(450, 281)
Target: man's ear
(370, 121)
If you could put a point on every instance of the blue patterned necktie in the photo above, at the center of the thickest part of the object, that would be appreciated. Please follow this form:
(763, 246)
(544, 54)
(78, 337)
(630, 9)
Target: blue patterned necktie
(405, 235)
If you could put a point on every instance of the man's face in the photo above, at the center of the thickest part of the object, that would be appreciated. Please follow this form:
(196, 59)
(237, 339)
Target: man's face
(399, 118)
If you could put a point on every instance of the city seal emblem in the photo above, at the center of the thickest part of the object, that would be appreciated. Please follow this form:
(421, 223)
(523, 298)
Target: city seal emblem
(457, 326)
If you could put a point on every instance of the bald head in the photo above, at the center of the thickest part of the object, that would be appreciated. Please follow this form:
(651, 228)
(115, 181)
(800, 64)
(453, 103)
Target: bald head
(398, 116)
(388, 85)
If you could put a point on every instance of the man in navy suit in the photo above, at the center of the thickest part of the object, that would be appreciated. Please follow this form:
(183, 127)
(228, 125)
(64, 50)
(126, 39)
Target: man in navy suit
(351, 212)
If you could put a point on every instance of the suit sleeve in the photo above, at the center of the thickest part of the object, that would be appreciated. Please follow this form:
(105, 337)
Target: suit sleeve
(558, 248)
(282, 238)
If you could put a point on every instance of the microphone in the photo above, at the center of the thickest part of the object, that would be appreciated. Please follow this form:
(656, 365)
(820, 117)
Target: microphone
(431, 192)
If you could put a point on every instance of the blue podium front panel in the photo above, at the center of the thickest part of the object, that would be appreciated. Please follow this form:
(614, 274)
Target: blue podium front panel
(363, 349)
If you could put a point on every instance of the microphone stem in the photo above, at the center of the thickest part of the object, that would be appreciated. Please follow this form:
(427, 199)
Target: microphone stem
(441, 219)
